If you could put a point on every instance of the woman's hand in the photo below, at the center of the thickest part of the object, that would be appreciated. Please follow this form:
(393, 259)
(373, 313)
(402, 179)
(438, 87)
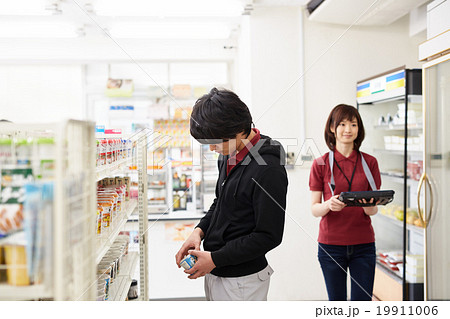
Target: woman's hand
(370, 210)
(334, 204)
(320, 209)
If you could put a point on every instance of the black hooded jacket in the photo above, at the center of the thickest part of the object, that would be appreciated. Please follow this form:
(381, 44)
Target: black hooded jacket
(246, 220)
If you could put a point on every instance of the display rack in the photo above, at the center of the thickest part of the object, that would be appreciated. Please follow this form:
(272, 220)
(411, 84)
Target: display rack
(390, 105)
(69, 252)
(119, 288)
(143, 214)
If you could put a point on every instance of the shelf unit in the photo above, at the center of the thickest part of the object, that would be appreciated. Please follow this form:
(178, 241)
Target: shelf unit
(119, 288)
(69, 265)
(399, 223)
(395, 97)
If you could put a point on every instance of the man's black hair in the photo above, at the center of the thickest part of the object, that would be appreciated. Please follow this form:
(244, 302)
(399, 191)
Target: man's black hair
(219, 115)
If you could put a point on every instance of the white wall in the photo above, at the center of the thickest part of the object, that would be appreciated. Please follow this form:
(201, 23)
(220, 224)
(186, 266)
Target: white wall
(276, 104)
(360, 53)
(331, 73)
(40, 93)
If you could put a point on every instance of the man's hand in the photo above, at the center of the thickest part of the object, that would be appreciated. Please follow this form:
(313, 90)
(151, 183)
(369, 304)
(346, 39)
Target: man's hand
(203, 265)
(193, 242)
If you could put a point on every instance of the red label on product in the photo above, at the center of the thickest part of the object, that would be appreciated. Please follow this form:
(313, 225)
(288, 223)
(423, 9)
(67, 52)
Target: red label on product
(113, 131)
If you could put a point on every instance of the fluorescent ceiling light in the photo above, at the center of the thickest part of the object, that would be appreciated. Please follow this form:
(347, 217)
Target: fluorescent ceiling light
(37, 30)
(170, 31)
(24, 7)
(169, 8)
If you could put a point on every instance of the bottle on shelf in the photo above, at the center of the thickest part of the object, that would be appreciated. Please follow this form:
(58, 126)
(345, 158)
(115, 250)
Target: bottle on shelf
(176, 201)
(183, 181)
(176, 181)
(183, 200)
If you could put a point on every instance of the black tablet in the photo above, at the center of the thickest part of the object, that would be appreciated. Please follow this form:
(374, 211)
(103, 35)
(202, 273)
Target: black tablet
(353, 198)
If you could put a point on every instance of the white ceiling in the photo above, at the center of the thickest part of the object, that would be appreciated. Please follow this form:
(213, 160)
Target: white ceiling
(364, 12)
(81, 15)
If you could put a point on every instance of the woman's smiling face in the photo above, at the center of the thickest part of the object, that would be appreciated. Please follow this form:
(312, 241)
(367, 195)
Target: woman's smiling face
(346, 131)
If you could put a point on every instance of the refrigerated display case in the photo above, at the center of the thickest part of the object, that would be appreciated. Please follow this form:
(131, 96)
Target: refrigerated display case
(390, 105)
(435, 181)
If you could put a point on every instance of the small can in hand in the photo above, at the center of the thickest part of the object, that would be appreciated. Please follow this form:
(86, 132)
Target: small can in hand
(188, 262)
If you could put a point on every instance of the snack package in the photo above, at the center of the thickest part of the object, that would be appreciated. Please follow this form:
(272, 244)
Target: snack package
(11, 218)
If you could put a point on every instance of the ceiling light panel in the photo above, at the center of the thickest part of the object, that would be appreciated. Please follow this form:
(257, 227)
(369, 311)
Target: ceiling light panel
(170, 30)
(16, 29)
(169, 8)
(25, 7)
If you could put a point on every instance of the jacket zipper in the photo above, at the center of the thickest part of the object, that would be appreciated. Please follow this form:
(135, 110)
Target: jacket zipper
(219, 200)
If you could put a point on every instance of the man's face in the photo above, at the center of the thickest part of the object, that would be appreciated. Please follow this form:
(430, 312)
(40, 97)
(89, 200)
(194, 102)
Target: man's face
(229, 146)
(226, 147)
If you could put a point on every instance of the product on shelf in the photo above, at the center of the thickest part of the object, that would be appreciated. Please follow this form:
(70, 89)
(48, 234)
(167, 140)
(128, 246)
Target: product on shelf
(5, 151)
(176, 181)
(391, 259)
(46, 154)
(414, 169)
(23, 246)
(176, 129)
(109, 267)
(16, 262)
(111, 194)
(111, 150)
(133, 291)
(176, 201)
(23, 151)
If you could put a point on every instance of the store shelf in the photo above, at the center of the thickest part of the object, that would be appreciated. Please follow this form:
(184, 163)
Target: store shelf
(107, 239)
(119, 289)
(8, 292)
(399, 179)
(399, 223)
(157, 187)
(399, 127)
(111, 169)
(178, 215)
(397, 152)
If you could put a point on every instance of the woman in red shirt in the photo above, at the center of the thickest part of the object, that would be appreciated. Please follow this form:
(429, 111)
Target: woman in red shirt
(346, 237)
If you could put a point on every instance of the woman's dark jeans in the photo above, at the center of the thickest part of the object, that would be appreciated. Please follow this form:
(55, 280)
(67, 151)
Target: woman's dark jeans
(360, 259)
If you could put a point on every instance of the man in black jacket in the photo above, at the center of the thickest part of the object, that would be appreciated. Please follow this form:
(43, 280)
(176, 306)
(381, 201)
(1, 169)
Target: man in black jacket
(246, 219)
